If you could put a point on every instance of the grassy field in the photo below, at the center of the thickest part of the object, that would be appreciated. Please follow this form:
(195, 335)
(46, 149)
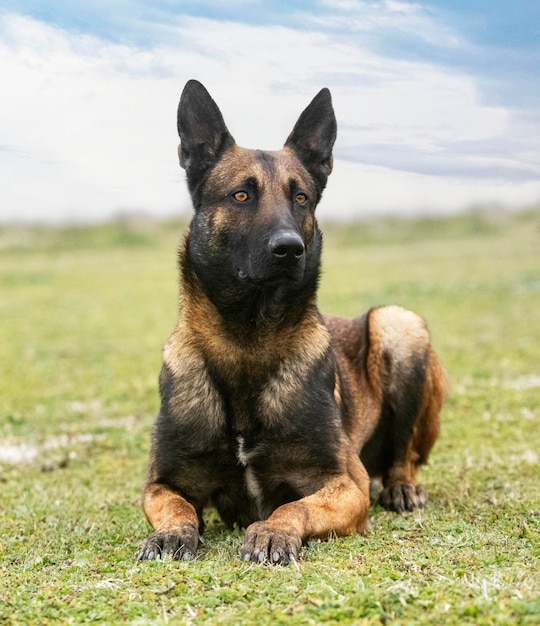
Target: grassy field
(84, 314)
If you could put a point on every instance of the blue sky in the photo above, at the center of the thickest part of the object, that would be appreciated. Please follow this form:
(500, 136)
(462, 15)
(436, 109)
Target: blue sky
(438, 102)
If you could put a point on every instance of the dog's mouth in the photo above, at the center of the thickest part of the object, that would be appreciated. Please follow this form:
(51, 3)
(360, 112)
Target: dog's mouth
(277, 260)
(284, 275)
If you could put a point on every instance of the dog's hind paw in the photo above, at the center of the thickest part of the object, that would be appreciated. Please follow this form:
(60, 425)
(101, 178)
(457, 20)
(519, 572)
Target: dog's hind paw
(264, 544)
(178, 543)
(402, 496)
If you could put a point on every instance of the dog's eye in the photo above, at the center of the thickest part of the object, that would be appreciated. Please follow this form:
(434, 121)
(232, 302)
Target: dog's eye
(240, 196)
(300, 198)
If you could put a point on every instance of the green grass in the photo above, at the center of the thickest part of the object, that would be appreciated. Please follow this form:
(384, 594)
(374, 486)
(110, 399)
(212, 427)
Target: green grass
(84, 314)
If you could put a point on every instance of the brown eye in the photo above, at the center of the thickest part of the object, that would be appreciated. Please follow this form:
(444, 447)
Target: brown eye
(300, 198)
(240, 196)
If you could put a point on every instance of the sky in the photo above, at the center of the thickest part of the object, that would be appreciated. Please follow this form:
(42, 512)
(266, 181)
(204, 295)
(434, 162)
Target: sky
(437, 101)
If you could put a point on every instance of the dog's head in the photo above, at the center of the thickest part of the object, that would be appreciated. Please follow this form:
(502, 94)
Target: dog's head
(254, 216)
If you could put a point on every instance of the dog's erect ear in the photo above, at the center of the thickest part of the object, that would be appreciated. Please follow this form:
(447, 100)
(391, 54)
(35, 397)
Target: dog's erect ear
(202, 131)
(314, 135)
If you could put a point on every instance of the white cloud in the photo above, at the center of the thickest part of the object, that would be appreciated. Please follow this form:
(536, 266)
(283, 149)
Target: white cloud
(93, 136)
(355, 191)
(88, 127)
(378, 17)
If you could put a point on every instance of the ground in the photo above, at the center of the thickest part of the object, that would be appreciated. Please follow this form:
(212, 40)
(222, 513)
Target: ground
(84, 315)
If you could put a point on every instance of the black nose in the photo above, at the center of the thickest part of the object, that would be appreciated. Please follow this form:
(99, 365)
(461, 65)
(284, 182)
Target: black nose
(286, 246)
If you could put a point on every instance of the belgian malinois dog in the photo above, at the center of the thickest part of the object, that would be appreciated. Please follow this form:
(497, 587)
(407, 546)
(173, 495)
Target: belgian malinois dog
(271, 412)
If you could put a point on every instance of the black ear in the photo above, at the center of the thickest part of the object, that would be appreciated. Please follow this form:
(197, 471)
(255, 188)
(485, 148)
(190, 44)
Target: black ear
(202, 131)
(314, 135)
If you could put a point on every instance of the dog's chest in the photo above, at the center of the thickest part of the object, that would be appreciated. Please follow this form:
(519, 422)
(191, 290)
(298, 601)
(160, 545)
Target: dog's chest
(264, 398)
(242, 454)
(260, 422)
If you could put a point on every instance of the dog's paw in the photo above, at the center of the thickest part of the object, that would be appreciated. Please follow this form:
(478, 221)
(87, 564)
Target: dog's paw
(265, 544)
(401, 496)
(178, 543)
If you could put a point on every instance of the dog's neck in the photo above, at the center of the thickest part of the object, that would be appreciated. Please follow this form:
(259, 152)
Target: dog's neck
(246, 312)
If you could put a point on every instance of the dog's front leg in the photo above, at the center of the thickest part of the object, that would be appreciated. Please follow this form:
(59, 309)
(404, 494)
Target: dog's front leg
(340, 507)
(176, 525)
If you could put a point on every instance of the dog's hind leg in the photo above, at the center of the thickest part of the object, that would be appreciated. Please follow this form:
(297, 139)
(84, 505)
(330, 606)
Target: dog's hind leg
(407, 374)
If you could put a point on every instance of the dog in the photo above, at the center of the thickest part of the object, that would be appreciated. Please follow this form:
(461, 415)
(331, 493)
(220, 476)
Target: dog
(274, 414)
